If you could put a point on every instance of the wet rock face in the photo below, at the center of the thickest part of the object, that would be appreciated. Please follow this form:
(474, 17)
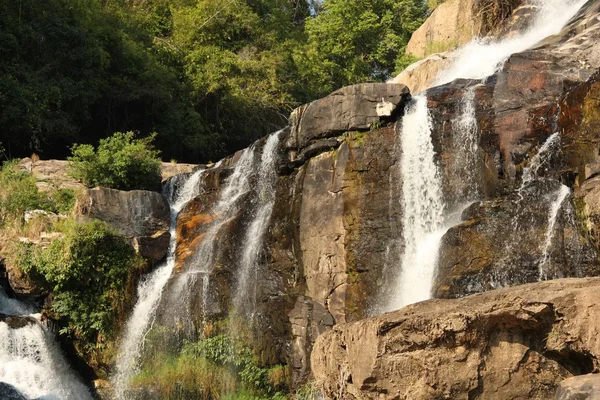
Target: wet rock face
(505, 344)
(141, 216)
(9, 392)
(482, 253)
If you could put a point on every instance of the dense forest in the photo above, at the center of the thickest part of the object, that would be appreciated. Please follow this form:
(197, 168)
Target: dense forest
(208, 76)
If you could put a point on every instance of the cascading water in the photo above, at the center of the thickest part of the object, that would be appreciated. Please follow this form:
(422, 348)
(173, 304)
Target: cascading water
(203, 263)
(31, 361)
(465, 132)
(150, 289)
(480, 58)
(561, 196)
(422, 207)
(267, 179)
(541, 159)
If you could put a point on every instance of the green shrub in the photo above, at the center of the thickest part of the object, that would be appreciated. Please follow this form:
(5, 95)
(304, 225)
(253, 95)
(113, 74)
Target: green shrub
(120, 162)
(87, 271)
(219, 366)
(18, 193)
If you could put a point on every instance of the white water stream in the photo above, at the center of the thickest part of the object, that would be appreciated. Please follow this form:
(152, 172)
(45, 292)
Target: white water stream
(203, 263)
(422, 207)
(31, 360)
(481, 58)
(245, 295)
(150, 289)
(555, 208)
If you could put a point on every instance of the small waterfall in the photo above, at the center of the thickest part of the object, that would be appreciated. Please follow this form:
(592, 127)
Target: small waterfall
(227, 207)
(541, 159)
(482, 58)
(150, 288)
(253, 242)
(31, 361)
(561, 195)
(465, 130)
(422, 207)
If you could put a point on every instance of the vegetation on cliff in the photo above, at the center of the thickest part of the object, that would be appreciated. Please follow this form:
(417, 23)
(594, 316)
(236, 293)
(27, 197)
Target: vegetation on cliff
(208, 76)
(87, 269)
(120, 162)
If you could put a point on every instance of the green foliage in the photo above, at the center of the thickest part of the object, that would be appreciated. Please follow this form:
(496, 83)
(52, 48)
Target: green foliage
(226, 352)
(217, 366)
(120, 162)
(18, 193)
(354, 41)
(209, 76)
(86, 270)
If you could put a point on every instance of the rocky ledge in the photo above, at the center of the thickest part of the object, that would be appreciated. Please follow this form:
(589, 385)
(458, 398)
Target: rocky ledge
(514, 343)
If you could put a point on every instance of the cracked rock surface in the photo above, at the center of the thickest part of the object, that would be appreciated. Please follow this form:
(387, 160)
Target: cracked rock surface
(514, 343)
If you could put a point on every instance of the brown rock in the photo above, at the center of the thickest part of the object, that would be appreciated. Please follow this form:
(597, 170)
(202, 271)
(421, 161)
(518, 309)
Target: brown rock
(355, 107)
(516, 343)
(456, 22)
(422, 74)
(141, 216)
(583, 387)
(482, 253)
(170, 169)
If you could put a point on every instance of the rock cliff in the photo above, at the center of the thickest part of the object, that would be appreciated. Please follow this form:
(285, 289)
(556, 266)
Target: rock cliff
(515, 343)
(520, 205)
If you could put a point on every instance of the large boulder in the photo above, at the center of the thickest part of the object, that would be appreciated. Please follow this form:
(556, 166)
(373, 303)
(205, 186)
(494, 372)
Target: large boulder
(143, 217)
(351, 108)
(515, 343)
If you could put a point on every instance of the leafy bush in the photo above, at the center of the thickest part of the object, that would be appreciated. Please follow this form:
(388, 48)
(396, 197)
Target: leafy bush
(18, 193)
(87, 271)
(120, 162)
(218, 366)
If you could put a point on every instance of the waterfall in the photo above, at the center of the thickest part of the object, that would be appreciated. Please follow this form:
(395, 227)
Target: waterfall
(31, 361)
(227, 207)
(481, 58)
(422, 207)
(151, 287)
(541, 159)
(561, 195)
(465, 131)
(253, 241)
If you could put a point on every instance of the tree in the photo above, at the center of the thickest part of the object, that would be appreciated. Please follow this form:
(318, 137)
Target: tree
(353, 41)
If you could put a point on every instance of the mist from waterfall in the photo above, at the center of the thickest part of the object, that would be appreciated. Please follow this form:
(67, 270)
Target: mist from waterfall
(483, 57)
(245, 297)
(179, 191)
(31, 360)
(422, 207)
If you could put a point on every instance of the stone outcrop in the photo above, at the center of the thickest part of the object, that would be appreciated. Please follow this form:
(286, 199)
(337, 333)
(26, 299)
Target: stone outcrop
(54, 174)
(141, 216)
(423, 74)
(516, 343)
(51, 174)
(583, 387)
(357, 107)
(334, 243)
(482, 254)
(456, 22)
